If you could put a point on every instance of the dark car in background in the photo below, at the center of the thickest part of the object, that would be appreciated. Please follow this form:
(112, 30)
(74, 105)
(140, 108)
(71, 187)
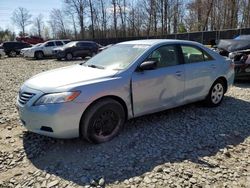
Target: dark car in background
(12, 49)
(76, 49)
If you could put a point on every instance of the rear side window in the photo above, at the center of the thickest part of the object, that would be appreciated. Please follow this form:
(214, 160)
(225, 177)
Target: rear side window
(193, 54)
(83, 44)
(59, 43)
(66, 41)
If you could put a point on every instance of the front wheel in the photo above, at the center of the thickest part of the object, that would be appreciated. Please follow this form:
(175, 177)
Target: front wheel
(12, 53)
(216, 94)
(102, 121)
(39, 55)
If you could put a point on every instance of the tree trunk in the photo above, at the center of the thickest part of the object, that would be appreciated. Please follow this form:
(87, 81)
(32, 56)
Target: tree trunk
(92, 19)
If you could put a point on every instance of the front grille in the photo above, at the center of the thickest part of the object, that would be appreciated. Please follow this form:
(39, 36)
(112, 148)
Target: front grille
(24, 97)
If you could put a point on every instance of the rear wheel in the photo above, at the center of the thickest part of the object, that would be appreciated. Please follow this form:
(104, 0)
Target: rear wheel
(102, 121)
(12, 53)
(39, 55)
(216, 94)
(69, 56)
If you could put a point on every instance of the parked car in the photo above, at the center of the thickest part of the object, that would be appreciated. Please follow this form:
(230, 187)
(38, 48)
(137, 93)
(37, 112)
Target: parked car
(238, 50)
(241, 60)
(105, 47)
(76, 49)
(94, 99)
(2, 53)
(45, 49)
(12, 49)
(25, 49)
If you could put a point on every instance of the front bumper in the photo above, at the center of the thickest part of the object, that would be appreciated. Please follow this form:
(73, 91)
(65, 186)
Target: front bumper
(59, 54)
(242, 71)
(28, 53)
(2, 53)
(62, 119)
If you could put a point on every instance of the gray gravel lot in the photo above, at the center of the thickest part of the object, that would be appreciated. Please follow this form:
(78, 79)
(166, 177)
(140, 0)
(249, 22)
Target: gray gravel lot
(189, 146)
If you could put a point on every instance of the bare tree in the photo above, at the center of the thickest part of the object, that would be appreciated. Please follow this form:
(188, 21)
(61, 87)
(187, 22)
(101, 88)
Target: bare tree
(79, 8)
(114, 4)
(21, 18)
(92, 18)
(38, 24)
(103, 18)
(57, 22)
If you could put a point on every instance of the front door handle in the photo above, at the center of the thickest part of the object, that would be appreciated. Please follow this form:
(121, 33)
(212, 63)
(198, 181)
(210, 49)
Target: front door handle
(213, 66)
(178, 73)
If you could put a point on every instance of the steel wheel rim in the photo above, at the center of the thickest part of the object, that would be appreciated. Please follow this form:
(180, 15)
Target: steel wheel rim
(12, 53)
(217, 93)
(69, 56)
(40, 55)
(105, 124)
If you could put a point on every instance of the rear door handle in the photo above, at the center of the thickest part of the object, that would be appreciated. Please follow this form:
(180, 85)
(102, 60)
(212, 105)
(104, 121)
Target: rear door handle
(178, 73)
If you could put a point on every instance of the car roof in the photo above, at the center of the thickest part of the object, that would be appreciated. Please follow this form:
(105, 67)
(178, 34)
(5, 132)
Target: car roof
(158, 41)
(58, 40)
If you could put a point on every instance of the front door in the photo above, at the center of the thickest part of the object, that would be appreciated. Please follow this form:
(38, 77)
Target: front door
(48, 48)
(161, 88)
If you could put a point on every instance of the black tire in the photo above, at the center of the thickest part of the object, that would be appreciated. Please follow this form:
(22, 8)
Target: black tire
(69, 56)
(216, 94)
(12, 53)
(59, 59)
(102, 121)
(39, 55)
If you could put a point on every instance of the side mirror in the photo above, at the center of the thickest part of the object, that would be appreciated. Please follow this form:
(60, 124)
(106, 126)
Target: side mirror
(148, 65)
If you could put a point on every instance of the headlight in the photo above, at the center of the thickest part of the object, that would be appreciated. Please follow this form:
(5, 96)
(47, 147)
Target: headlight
(57, 97)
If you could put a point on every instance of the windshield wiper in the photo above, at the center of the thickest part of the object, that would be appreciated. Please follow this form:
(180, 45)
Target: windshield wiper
(96, 66)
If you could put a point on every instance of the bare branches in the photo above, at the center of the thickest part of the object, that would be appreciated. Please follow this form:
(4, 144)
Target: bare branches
(21, 18)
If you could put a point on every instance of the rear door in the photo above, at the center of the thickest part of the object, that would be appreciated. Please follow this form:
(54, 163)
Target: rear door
(199, 67)
(82, 49)
(59, 43)
(161, 88)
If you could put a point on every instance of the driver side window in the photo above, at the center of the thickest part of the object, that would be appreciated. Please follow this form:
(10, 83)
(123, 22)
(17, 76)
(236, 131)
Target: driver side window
(165, 56)
(50, 44)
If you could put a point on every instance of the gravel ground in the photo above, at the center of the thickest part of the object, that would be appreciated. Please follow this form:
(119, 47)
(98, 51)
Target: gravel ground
(190, 146)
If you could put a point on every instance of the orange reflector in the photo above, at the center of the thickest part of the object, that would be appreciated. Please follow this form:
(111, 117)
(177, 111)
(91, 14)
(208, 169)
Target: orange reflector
(73, 96)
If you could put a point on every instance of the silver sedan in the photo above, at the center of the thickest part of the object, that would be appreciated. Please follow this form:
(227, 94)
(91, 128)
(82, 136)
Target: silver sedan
(94, 99)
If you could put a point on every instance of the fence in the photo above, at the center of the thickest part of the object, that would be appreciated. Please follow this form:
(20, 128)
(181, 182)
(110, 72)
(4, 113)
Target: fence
(205, 37)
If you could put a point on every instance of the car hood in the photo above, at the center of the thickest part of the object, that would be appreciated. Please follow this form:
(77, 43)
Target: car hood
(24, 49)
(53, 80)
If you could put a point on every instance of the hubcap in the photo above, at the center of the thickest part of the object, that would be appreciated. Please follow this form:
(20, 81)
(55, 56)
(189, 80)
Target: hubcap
(217, 93)
(105, 124)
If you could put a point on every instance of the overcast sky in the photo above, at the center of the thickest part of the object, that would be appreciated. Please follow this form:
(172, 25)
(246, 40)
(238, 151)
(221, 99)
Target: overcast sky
(35, 7)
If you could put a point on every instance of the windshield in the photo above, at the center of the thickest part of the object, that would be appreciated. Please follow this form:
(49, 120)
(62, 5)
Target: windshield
(117, 57)
(70, 44)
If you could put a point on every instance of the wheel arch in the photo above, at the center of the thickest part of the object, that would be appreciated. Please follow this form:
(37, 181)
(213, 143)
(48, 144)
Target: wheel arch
(116, 98)
(38, 51)
(224, 80)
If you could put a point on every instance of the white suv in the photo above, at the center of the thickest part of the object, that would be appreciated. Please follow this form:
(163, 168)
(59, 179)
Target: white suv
(45, 49)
